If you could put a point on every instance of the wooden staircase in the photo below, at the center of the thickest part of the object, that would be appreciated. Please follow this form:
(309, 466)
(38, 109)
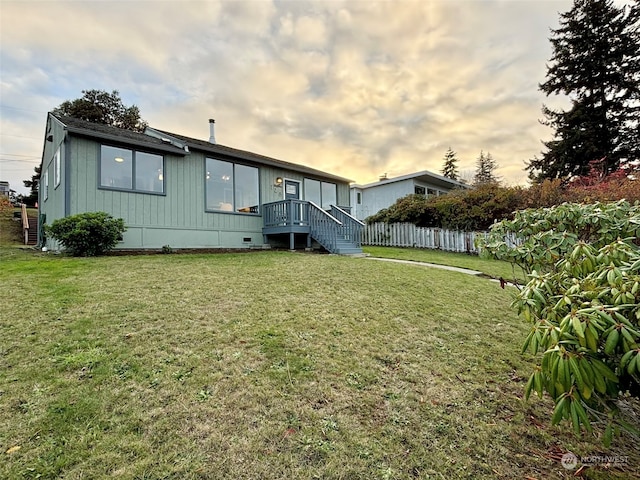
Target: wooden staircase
(336, 230)
(31, 235)
(29, 226)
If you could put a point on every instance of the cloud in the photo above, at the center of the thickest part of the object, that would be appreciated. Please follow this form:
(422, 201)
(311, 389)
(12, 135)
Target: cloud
(356, 88)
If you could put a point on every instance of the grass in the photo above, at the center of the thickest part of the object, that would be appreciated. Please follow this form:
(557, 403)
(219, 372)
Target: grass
(491, 268)
(10, 230)
(268, 365)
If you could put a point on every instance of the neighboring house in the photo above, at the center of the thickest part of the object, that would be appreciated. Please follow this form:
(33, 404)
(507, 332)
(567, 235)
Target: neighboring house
(188, 193)
(4, 189)
(369, 199)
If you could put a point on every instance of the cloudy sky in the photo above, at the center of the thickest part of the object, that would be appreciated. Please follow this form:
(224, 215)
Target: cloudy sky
(357, 88)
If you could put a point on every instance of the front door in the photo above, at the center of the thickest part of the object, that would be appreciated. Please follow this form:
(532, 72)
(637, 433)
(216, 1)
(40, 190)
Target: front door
(291, 190)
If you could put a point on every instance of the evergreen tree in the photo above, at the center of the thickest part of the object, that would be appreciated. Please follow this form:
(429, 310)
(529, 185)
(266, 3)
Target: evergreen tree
(102, 107)
(485, 170)
(32, 184)
(596, 62)
(450, 169)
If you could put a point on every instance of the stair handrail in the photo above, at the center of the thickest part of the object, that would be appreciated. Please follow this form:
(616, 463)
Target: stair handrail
(352, 229)
(25, 222)
(324, 227)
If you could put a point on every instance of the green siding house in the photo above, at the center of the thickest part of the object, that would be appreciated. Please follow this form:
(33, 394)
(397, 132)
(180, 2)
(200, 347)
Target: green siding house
(189, 193)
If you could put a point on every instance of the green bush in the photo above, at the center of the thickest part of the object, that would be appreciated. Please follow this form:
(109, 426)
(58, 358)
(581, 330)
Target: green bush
(415, 208)
(583, 304)
(87, 234)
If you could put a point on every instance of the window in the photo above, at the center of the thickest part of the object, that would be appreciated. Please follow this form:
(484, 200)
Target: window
(323, 194)
(125, 169)
(231, 187)
(329, 195)
(56, 168)
(359, 198)
(420, 190)
(431, 192)
(312, 191)
(46, 184)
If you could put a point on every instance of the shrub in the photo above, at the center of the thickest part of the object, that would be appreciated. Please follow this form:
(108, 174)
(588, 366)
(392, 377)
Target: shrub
(583, 303)
(87, 234)
(6, 208)
(414, 208)
(474, 209)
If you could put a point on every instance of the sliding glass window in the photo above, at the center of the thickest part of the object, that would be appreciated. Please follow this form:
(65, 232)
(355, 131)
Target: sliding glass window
(231, 187)
(323, 194)
(124, 169)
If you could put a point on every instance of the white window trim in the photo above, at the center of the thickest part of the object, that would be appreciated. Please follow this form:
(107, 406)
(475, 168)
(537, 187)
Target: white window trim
(45, 194)
(56, 168)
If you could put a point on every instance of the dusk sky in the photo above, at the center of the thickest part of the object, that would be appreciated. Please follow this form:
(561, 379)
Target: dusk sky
(355, 88)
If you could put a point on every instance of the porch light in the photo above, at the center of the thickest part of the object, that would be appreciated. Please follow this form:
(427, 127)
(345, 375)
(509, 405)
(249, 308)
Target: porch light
(119, 159)
(278, 182)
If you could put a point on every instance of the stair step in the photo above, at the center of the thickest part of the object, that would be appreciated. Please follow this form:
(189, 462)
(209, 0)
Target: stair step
(348, 251)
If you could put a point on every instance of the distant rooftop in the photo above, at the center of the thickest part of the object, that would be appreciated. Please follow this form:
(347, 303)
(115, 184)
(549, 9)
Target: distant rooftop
(424, 176)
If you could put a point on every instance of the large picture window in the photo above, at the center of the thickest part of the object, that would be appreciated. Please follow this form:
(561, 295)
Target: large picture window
(231, 187)
(323, 194)
(125, 169)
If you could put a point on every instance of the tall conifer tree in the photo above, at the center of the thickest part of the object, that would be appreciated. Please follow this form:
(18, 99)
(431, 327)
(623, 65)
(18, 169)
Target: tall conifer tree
(450, 168)
(596, 63)
(485, 170)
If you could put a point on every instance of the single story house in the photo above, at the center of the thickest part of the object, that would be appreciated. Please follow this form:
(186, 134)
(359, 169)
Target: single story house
(182, 192)
(369, 199)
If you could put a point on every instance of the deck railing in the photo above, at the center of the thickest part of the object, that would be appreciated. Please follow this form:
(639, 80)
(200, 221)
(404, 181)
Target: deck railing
(351, 226)
(324, 227)
(285, 213)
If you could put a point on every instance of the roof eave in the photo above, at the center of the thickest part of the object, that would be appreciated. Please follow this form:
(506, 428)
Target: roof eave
(234, 153)
(125, 141)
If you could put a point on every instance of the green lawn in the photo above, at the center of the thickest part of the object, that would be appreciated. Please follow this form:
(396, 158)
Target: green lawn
(268, 365)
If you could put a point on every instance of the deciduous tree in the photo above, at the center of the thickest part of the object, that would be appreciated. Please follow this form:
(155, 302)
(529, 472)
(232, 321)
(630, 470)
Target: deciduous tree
(102, 107)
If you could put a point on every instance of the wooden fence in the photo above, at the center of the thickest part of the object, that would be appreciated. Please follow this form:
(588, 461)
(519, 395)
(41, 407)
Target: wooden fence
(408, 235)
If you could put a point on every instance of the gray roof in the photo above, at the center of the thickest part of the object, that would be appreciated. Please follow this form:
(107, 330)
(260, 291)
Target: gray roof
(223, 150)
(174, 142)
(115, 134)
